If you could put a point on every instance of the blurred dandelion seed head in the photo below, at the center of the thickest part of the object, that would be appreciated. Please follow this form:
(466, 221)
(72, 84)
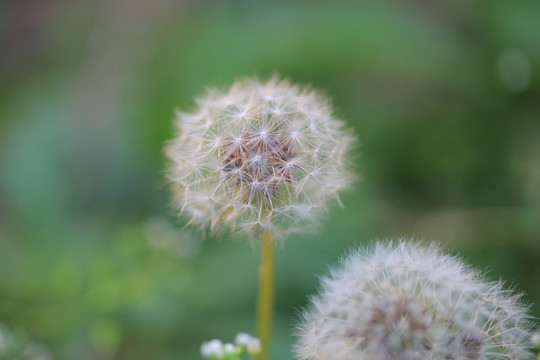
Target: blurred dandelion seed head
(401, 301)
(260, 156)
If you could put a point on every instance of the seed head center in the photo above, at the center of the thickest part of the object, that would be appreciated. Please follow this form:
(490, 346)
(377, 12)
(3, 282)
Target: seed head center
(255, 159)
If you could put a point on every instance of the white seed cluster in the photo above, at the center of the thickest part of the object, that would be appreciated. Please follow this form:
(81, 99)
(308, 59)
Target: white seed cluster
(260, 156)
(401, 301)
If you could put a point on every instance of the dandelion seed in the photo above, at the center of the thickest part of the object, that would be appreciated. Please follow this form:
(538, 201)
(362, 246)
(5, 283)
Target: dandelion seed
(401, 301)
(262, 150)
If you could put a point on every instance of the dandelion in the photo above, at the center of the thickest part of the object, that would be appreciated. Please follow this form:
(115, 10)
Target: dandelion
(401, 301)
(260, 156)
(262, 159)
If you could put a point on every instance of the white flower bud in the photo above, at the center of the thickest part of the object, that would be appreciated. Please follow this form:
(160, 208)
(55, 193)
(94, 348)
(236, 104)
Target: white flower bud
(243, 339)
(254, 347)
(212, 348)
(229, 349)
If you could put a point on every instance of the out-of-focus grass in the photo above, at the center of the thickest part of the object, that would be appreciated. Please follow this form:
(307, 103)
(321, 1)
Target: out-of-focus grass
(443, 97)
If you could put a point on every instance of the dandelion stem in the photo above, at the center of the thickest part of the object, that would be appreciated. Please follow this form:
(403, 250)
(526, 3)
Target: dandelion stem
(265, 301)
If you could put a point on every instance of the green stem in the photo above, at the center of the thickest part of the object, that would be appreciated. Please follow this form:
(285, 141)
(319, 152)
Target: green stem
(265, 300)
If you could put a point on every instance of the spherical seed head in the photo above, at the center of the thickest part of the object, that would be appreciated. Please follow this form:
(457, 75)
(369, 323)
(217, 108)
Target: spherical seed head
(402, 301)
(260, 156)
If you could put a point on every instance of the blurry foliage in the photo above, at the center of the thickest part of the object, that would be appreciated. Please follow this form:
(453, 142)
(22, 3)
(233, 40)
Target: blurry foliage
(443, 96)
(16, 345)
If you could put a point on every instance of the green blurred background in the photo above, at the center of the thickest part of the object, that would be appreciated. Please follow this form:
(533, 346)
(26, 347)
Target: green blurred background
(443, 95)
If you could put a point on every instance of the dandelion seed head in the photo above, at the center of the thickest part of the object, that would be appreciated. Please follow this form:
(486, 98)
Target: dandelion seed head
(402, 301)
(250, 158)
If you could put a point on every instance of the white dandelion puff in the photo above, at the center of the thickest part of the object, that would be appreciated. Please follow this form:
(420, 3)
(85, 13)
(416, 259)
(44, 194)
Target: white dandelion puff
(259, 156)
(401, 301)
